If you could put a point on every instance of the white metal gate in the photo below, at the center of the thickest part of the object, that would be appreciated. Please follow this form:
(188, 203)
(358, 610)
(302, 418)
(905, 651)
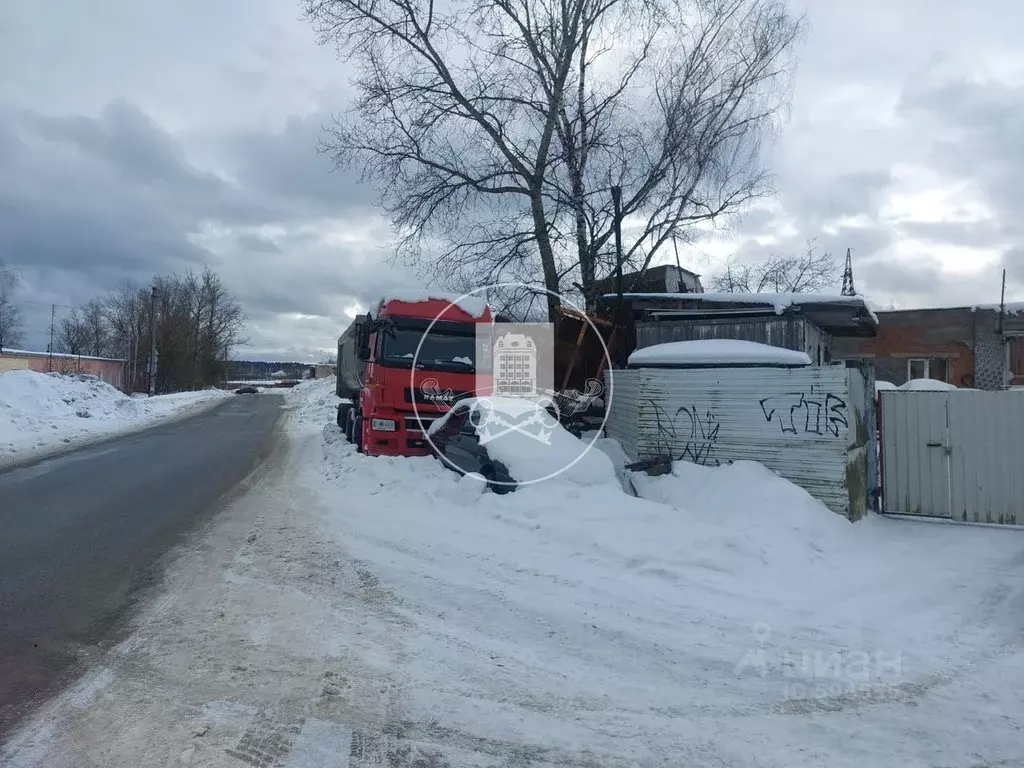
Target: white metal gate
(957, 454)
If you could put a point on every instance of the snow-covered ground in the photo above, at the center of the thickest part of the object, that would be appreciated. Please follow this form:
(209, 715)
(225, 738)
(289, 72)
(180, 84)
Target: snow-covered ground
(352, 611)
(45, 412)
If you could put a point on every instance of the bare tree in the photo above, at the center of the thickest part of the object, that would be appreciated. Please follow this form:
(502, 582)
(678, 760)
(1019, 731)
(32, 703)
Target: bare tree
(198, 323)
(10, 314)
(496, 128)
(126, 317)
(808, 272)
(72, 334)
(95, 326)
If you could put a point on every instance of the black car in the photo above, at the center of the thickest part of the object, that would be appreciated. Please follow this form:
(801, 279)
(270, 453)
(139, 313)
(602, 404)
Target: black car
(456, 443)
(246, 391)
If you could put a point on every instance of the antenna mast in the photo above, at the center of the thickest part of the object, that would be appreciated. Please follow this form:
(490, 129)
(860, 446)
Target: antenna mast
(848, 289)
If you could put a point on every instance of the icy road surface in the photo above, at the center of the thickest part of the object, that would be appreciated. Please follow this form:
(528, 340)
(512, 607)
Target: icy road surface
(374, 612)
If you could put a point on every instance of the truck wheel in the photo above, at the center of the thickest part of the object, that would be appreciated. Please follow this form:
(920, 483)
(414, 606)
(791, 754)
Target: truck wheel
(343, 415)
(357, 433)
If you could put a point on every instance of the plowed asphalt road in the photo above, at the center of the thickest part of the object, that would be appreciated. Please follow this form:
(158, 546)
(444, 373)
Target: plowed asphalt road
(81, 535)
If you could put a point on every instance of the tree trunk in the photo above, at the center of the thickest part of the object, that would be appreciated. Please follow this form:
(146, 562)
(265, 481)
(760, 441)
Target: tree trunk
(547, 254)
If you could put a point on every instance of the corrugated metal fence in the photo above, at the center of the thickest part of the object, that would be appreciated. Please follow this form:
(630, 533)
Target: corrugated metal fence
(788, 332)
(12, 364)
(810, 425)
(957, 454)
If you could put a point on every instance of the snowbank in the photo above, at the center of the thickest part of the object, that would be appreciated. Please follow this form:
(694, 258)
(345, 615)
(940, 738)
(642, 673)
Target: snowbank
(926, 385)
(579, 618)
(313, 403)
(530, 442)
(722, 352)
(44, 412)
(471, 305)
(766, 519)
(722, 618)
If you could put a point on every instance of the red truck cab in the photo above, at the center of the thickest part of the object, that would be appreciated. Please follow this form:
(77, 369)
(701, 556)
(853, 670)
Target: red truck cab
(403, 365)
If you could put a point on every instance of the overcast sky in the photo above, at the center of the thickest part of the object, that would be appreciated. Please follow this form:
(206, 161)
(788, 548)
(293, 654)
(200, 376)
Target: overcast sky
(142, 137)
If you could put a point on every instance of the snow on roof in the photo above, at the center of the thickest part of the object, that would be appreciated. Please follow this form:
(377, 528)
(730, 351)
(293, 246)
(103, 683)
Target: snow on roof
(717, 352)
(881, 386)
(925, 385)
(471, 305)
(779, 300)
(29, 353)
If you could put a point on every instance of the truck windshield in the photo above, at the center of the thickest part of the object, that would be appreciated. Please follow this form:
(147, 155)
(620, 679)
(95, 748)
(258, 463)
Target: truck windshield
(441, 352)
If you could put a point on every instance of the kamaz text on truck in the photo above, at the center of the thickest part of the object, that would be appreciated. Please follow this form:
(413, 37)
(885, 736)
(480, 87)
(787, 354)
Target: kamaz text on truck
(376, 372)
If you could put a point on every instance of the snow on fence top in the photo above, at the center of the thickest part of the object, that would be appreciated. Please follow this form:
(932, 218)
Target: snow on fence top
(1010, 308)
(719, 352)
(471, 305)
(926, 385)
(780, 301)
(62, 355)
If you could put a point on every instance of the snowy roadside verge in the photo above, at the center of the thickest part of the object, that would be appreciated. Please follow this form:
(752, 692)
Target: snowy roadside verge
(370, 612)
(723, 617)
(44, 414)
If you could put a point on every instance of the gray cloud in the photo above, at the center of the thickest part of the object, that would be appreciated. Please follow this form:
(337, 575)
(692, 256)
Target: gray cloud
(186, 134)
(98, 200)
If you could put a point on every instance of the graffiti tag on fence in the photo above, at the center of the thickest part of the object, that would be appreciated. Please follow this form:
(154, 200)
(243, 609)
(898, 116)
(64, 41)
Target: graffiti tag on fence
(798, 413)
(697, 432)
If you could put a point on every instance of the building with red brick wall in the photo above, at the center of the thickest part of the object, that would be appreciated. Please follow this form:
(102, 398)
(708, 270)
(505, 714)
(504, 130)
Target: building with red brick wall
(965, 346)
(110, 370)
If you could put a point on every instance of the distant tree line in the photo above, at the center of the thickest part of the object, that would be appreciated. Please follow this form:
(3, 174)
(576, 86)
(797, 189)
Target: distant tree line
(197, 321)
(262, 369)
(803, 273)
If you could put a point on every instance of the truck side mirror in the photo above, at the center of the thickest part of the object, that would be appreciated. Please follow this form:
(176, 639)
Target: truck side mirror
(363, 336)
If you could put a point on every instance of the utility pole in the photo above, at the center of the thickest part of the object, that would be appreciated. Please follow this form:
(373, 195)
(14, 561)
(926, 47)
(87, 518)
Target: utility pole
(152, 344)
(617, 208)
(1002, 304)
(49, 347)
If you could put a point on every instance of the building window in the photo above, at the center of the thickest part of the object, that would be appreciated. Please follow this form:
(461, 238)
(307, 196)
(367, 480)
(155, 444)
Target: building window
(928, 368)
(1015, 362)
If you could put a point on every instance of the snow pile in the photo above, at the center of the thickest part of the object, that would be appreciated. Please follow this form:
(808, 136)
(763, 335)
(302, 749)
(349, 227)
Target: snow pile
(313, 403)
(926, 385)
(579, 618)
(766, 519)
(884, 386)
(474, 306)
(722, 618)
(530, 442)
(705, 352)
(41, 412)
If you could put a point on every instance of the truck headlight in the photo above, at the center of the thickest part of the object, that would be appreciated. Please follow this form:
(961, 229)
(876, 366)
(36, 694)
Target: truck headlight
(383, 425)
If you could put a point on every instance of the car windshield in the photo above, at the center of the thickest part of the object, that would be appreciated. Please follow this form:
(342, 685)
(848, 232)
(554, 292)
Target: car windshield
(437, 352)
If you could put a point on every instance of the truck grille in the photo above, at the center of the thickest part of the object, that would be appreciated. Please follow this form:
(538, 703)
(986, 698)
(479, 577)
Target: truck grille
(422, 424)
